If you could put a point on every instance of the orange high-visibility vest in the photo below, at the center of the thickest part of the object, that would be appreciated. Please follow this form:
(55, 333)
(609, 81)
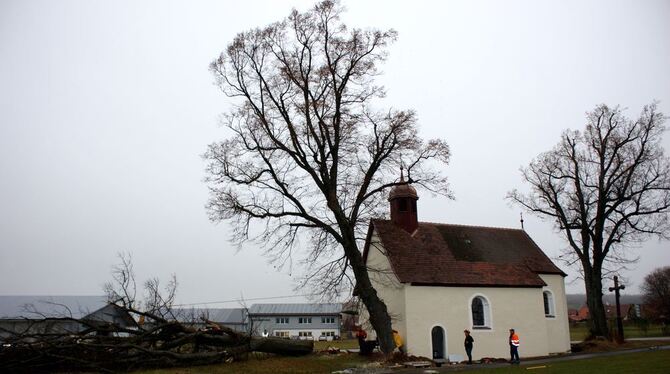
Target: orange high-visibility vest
(514, 339)
(397, 339)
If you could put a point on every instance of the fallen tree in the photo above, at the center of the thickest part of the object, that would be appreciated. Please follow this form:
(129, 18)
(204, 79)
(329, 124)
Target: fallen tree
(108, 347)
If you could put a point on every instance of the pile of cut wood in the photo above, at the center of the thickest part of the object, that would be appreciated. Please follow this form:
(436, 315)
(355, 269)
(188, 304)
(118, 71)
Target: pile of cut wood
(108, 347)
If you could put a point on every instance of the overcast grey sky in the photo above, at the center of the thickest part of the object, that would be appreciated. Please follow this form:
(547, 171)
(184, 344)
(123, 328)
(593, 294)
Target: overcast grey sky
(106, 107)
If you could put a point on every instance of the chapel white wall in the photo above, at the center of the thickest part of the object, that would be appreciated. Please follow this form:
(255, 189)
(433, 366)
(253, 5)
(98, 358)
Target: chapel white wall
(558, 327)
(389, 289)
(449, 307)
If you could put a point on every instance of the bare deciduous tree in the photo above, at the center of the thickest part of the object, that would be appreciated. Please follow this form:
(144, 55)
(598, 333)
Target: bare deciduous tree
(308, 155)
(656, 292)
(606, 189)
(159, 301)
(122, 289)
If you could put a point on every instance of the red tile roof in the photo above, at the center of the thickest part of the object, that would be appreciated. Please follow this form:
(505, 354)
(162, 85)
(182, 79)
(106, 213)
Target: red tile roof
(455, 255)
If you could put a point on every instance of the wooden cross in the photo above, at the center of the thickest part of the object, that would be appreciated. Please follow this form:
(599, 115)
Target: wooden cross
(619, 322)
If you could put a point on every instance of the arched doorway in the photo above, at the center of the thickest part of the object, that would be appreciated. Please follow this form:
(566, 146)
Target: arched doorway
(438, 339)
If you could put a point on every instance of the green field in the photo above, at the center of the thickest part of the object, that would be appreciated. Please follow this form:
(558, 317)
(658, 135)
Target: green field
(580, 331)
(341, 344)
(275, 365)
(645, 362)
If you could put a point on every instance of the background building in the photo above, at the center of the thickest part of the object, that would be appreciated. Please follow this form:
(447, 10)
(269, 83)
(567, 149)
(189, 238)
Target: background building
(233, 318)
(300, 321)
(57, 314)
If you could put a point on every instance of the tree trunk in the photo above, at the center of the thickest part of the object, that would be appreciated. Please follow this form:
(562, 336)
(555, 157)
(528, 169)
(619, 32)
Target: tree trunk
(379, 316)
(74, 352)
(594, 300)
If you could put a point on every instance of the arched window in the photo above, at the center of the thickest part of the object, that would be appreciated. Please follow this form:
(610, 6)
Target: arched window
(480, 313)
(548, 299)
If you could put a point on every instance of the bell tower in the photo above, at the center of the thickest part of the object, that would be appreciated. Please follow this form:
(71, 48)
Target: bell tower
(402, 199)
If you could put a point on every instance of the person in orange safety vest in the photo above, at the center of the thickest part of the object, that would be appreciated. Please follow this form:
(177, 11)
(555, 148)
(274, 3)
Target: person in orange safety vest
(513, 347)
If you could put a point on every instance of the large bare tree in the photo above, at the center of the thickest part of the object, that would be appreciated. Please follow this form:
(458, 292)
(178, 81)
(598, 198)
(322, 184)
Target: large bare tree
(606, 189)
(309, 156)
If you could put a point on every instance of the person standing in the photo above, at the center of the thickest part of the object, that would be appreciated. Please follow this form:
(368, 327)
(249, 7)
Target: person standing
(361, 335)
(468, 345)
(514, 347)
(398, 342)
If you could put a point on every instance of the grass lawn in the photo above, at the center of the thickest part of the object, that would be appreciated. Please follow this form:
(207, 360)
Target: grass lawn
(341, 344)
(269, 364)
(606, 346)
(275, 365)
(580, 331)
(645, 362)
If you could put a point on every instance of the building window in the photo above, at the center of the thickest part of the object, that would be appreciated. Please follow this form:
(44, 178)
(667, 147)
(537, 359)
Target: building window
(329, 320)
(303, 320)
(281, 320)
(548, 299)
(327, 333)
(481, 314)
(304, 333)
(638, 313)
(281, 334)
(402, 205)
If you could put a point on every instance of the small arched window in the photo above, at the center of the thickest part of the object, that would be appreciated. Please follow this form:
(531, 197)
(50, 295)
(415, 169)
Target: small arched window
(548, 299)
(480, 313)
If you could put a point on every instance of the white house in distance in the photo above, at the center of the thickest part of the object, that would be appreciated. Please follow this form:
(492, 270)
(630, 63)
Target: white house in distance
(440, 279)
(296, 321)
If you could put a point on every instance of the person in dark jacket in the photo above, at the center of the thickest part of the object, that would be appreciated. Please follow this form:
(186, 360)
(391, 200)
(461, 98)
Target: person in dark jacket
(468, 345)
(361, 335)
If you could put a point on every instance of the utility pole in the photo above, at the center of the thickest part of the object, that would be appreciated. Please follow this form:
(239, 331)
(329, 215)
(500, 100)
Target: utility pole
(619, 322)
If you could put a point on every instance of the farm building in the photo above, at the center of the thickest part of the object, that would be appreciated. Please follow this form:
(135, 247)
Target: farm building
(233, 318)
(57, 314)
(302, 321)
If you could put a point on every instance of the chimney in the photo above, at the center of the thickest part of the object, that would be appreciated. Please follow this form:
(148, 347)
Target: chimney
(402, 199)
